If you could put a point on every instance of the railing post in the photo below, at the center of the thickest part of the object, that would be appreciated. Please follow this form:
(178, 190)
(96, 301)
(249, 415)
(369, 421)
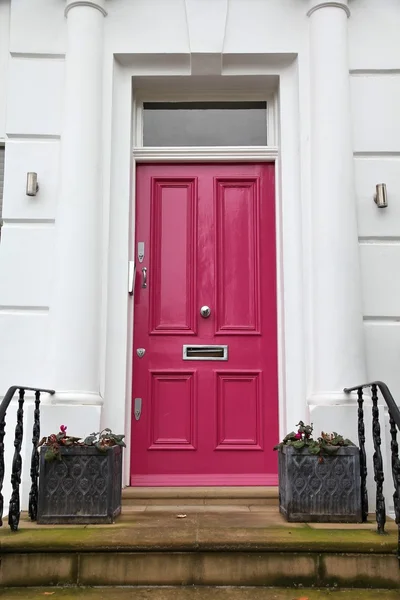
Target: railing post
(394, 420)
(396, 474)
(363, 459)
(378, 463)
(33, 494)
(2, 434)
(14, 510)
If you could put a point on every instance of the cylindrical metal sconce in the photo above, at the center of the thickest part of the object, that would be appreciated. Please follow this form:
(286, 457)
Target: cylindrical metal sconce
(32, 186)
(380, 197)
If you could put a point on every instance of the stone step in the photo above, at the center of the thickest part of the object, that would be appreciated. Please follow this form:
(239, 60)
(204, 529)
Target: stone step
(197, 496)
(129, 511)
(214, 547)
(195, 593)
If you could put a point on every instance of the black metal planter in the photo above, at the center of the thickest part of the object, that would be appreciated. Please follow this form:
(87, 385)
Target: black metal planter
(85, 486)
(327, 491)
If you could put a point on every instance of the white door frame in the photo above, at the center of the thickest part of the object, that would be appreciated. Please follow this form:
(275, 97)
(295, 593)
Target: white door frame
(118, 310)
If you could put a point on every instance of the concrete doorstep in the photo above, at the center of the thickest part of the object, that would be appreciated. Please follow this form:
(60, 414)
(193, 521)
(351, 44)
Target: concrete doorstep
(201, 496)
(183, 546)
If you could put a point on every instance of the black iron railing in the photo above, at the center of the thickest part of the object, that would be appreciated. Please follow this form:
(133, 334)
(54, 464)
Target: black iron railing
(394, 420)
(14, 508)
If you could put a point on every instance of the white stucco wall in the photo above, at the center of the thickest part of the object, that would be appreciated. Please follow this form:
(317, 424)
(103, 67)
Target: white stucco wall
(166, 37)
(33, 126)
(375, 85)
(4, 46)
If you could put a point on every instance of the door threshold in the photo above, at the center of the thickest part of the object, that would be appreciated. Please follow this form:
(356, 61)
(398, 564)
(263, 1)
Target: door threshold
(209, 490)
(218, 480)
(200, 495)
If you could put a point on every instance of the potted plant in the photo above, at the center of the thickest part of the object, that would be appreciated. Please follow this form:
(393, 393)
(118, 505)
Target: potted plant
(80, 481)
(319, 479)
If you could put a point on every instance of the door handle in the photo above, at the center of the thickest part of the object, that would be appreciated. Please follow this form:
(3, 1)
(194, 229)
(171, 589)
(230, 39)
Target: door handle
(144, 273)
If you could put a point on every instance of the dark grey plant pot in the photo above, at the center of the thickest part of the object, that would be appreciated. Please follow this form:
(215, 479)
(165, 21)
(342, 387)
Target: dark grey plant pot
(85, 486)
(324, 492)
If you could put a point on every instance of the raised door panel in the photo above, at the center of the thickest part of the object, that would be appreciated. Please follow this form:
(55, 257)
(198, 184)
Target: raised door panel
(237, 256)
(172, 410)
(239, 410)
(173, 256)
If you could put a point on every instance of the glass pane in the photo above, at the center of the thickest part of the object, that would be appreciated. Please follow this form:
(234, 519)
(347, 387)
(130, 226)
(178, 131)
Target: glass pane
(205, 124)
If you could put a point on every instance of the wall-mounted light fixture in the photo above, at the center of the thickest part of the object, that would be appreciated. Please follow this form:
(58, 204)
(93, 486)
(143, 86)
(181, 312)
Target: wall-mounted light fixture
(380, 197)
(32, 186)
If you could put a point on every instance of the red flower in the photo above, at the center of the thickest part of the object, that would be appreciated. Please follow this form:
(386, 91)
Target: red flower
(298, 436)
(63, 428)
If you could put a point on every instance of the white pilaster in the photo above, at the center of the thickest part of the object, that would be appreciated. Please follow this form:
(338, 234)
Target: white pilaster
(338, 344)
(75, 309)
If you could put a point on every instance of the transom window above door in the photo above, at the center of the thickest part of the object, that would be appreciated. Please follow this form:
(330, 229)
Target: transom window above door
(205, 123)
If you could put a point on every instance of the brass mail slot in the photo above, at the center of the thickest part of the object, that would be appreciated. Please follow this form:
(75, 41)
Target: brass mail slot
(205, 352)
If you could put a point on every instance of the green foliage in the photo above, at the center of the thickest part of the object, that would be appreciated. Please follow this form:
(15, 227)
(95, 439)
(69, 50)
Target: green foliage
(298, 444)
(328, 443)
(102, 440)
(314, 448)
(52, 454)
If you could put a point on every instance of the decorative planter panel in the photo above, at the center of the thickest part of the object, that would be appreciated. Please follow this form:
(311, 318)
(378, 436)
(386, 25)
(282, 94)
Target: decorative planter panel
(85, 486)
(322, 491)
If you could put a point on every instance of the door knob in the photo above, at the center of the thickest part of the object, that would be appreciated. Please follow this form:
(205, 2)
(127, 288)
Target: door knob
(205, 311)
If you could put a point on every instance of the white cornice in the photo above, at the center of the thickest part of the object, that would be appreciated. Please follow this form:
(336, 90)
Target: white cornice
(76, 398)
(91, 3)
(205, 153)
(332, 399)
(329, 5)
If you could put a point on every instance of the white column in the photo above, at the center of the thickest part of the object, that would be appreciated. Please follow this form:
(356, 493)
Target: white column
(75, 309)
(338, 341)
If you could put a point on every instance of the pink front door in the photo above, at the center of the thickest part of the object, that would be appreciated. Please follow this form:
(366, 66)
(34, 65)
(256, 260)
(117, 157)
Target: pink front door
(205, 393)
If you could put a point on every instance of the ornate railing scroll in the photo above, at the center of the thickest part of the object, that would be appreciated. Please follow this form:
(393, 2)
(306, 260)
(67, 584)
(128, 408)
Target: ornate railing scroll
(394, 420)
(14, 507)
